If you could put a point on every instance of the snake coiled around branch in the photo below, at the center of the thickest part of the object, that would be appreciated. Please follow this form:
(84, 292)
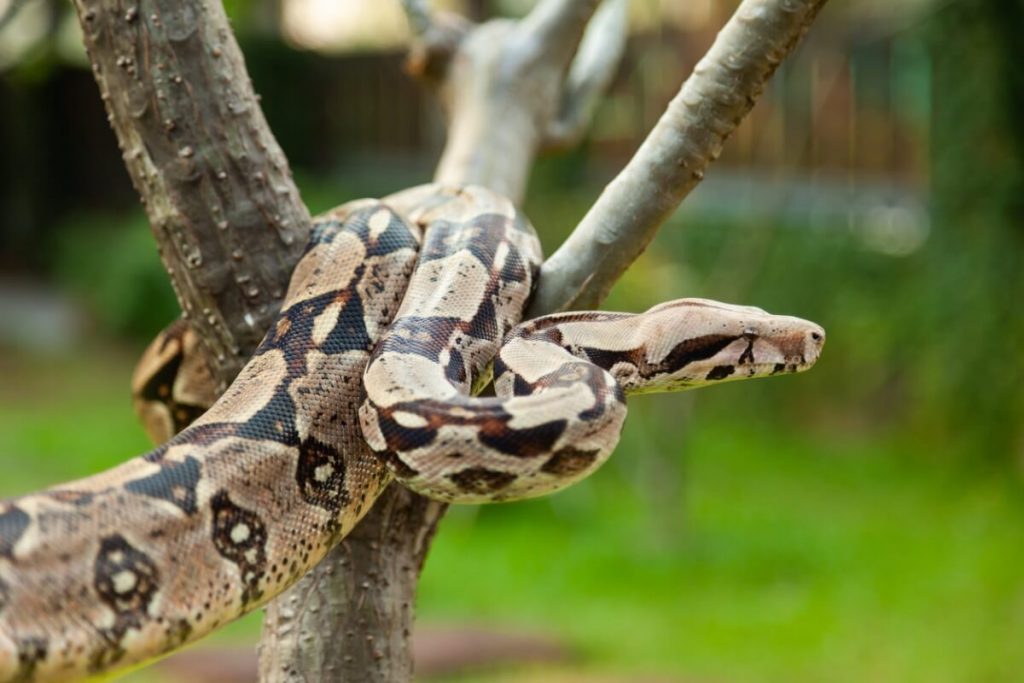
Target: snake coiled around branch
(133, 562)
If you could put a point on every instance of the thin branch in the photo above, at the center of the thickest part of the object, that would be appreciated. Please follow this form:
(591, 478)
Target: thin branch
(592, 70)
(420, 17)
(216, 186)
(671, 161)
(436, 39)
(555, 28)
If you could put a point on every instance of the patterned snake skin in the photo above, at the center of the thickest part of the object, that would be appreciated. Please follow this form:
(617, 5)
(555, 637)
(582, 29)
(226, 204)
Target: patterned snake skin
(130, 563)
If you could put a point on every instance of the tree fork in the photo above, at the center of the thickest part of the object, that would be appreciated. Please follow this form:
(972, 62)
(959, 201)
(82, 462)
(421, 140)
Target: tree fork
(230, 225)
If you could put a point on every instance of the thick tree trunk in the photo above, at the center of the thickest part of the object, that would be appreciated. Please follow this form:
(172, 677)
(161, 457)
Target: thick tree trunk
(216, 186)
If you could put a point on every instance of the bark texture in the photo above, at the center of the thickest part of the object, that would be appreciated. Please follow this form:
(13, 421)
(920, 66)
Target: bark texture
(363, 593)
(216, 186)
(671, 161)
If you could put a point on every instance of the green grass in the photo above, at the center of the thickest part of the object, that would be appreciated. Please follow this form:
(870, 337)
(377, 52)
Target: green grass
(714, 546)
(793, 560)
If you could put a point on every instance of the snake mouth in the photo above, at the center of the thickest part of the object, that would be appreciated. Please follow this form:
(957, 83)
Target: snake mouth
(792, 367)
(725, 373)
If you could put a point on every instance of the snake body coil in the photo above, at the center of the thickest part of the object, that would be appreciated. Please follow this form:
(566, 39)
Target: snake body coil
(135, 561)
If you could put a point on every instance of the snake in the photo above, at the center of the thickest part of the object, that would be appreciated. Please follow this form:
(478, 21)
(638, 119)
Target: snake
(401, 318)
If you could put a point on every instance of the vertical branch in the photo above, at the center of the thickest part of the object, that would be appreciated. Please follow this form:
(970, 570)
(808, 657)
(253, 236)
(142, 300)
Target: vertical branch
(227, 217)
(503, 91)
(364, 591)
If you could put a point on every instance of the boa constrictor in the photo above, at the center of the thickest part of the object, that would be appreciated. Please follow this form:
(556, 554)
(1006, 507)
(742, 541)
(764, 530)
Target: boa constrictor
(127, 564)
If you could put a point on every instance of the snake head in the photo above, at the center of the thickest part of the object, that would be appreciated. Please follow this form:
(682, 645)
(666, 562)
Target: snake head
(697, 342)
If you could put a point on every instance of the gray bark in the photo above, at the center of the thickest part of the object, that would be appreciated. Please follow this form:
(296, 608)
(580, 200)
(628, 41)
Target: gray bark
(227, 217)
(503, 92)
(591, 72)
(351, 617)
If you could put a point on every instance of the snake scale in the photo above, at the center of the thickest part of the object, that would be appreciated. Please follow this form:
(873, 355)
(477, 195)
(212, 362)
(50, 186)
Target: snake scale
(393, 320)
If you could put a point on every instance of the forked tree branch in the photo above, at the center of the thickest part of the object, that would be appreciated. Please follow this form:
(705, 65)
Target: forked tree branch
(349, 618)
(230, 225)
(671, 161)
(227, 217)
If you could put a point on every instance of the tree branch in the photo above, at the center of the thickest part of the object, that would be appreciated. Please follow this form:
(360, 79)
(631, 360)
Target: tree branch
(504, 90)
(227, 217)
(592, 70)
(671, 161)
(421, 20)
(436, 39)
(363, 592)
(554, 29)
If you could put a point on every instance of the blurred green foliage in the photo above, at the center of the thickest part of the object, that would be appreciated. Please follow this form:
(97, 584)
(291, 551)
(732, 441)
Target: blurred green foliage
(110, 263)
(969, 331)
